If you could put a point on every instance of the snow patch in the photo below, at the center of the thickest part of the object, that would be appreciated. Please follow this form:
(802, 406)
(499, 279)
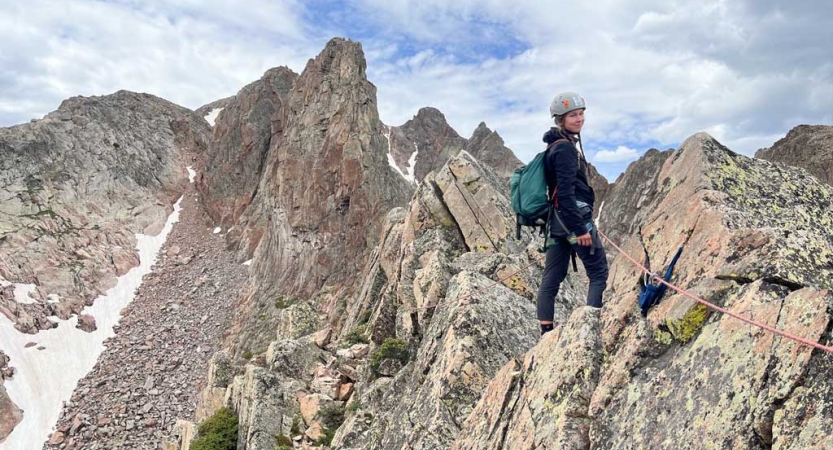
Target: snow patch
(217, 230)
(599, 215)
(21, 291)
(248, 263)
(412, 165)
(191, 173)
(392, 162)
(212, 116)
(46, 378)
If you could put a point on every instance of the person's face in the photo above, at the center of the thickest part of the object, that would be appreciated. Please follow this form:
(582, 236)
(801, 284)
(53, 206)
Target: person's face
(574, 120)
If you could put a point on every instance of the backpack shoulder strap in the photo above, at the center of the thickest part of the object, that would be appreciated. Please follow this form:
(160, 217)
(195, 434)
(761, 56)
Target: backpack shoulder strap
(579, 154)
(553, 143)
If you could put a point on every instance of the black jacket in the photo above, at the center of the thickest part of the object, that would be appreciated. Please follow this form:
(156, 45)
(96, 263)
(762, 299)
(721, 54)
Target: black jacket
(566, 168)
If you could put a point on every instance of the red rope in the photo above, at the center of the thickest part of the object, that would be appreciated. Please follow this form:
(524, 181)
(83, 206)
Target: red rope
(717, 308)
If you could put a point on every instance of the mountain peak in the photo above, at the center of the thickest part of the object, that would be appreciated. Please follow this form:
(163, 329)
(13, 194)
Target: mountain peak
(487, 146)
(340, 55)
(484, 132)
(430, 112)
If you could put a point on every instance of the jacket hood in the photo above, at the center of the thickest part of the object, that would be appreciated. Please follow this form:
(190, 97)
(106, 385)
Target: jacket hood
(554, 134)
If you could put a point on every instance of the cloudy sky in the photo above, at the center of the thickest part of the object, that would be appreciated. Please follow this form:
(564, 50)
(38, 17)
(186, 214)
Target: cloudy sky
(652, 72)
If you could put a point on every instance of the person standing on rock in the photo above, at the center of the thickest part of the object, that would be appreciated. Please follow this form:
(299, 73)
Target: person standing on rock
(572, 231)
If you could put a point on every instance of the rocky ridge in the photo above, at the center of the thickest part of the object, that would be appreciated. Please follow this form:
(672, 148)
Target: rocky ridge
(430, 137)
(488, 147)
(806, 146)
(419, 332)
(309, 235)
(662, 381)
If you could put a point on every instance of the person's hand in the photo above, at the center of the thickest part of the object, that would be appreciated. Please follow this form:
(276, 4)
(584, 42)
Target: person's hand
(585, 240)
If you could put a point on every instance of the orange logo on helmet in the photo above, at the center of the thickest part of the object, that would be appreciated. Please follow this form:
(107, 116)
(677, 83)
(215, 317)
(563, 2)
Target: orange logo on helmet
(566, 103)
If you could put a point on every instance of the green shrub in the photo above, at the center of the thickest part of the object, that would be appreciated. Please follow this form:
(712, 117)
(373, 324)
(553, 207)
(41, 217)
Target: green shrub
(218, 432)
(365, 317)
(356, 336)
(332, 415)
(392, 348)
(327, 439)
(296, 426)
(354, 405)
(247, 355)
(284, 302)
(283, 443)
(213, 442)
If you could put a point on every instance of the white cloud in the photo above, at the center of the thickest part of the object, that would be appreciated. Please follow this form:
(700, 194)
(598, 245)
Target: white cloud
(54, 49)
(653, 72)
(621, 154)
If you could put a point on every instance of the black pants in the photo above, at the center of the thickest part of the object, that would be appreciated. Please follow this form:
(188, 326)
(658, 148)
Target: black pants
(555, 270)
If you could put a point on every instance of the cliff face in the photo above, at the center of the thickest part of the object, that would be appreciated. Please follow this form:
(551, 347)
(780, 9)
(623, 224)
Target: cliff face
(301, 172)
(305, 190)
(806, 146)
(77, 185)
(242, 135)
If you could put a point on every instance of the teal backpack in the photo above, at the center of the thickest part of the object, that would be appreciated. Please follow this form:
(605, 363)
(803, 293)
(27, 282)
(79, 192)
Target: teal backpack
(530, 195)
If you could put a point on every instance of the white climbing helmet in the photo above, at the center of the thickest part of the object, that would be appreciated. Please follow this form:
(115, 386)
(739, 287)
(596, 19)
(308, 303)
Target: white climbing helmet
(566, 102)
